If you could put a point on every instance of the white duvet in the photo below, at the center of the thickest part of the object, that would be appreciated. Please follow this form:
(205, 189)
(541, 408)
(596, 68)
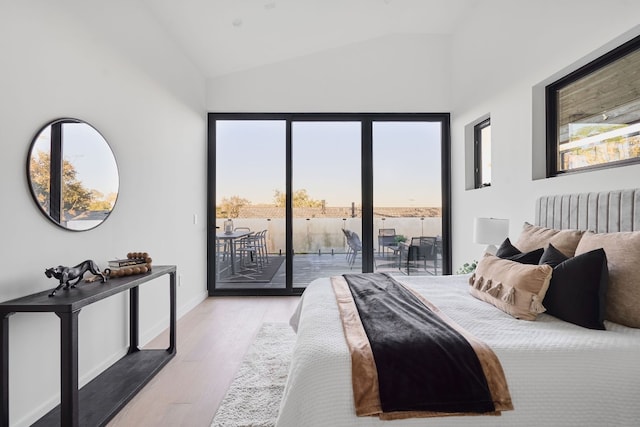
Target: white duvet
(558, 374)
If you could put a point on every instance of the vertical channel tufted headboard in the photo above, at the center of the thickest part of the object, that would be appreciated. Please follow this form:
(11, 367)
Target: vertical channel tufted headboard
(604, 212)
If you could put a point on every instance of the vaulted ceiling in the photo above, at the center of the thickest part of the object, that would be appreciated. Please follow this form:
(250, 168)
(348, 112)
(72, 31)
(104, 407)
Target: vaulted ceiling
(226, 36)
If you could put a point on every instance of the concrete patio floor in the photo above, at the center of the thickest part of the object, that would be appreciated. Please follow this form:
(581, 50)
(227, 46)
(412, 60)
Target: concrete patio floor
(308, 267)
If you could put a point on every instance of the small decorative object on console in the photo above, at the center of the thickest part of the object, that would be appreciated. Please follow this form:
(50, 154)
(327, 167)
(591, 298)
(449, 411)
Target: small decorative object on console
(135, 263)
(66, 274)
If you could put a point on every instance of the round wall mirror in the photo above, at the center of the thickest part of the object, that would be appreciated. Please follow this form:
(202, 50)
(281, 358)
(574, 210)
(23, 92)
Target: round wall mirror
(72, 174)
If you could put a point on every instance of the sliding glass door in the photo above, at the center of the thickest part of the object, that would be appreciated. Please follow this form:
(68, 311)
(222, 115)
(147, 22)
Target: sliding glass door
(407, 183)
(326, 199)
(249, 253)
(294, 197)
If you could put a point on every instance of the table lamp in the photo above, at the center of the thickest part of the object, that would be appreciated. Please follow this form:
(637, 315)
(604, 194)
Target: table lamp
(490, 232)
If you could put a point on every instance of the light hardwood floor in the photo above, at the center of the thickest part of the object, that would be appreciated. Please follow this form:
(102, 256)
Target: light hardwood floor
(211, 342)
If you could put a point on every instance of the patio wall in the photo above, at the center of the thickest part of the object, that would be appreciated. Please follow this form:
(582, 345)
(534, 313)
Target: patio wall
(325, 234)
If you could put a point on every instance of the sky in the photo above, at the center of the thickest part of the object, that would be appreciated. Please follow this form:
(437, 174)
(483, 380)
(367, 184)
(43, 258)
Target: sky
(92, 157)
(326, 161)
(88, 152)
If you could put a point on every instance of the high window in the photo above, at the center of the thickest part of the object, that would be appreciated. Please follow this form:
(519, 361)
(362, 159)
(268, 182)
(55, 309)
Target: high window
(482, 153)
(593, 114)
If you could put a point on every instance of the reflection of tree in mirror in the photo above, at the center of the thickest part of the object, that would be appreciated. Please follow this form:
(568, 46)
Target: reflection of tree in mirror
(100, 202)
(301, 199)
(39, 170)
(76, 198)
(230, 207)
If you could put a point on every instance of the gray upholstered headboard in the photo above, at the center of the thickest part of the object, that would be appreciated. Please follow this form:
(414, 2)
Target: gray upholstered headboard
(604, 212)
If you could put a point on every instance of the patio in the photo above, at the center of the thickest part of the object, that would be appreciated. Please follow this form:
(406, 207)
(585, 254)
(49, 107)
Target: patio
(321, 245)
(308, 267)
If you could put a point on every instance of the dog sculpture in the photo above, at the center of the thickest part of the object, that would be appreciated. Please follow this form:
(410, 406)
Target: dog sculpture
(66, 274)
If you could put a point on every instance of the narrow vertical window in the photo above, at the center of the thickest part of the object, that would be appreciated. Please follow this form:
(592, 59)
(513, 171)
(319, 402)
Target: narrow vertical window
(482, 153)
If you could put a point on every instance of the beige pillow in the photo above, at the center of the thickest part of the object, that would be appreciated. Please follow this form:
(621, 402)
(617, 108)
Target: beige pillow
(515, 288)
(535, 237)
(623, 260)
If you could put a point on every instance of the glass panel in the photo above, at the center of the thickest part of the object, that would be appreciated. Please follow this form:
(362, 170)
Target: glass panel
(407, 197)
(250, 177)
(326, 199)
(485, 150)
(599, 116)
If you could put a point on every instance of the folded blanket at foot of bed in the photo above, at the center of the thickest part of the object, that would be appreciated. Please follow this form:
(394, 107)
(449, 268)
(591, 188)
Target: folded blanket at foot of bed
(409, 359)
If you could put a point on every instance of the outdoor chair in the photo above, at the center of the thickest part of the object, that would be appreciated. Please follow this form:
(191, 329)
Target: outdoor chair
(247, 250)
(222, 257)
(347, 236)
(386, 238)
(421, 251)
(355, 246)
(261, 244)
(437, 256)
(250, 252)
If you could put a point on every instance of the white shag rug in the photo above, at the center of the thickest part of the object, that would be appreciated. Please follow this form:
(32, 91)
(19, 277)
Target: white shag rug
(253, 399)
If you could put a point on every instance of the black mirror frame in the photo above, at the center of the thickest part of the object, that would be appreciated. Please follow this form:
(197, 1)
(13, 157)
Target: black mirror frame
(55, 208)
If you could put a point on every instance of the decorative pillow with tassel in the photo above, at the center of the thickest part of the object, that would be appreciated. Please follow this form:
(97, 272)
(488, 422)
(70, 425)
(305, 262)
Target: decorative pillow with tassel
(515, 288)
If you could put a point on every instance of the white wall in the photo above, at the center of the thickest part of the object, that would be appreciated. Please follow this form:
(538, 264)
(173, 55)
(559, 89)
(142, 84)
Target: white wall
(499, 56)
(109, 64)
(397, 73)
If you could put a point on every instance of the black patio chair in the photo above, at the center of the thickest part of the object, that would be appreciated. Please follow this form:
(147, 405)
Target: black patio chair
(421, 251)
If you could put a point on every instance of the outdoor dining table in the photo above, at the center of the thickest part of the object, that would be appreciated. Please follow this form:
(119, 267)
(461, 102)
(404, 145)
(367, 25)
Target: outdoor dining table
(231, 238)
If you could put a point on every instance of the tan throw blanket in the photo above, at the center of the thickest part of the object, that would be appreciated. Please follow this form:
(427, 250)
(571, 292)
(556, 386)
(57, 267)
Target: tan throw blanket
(366, 390)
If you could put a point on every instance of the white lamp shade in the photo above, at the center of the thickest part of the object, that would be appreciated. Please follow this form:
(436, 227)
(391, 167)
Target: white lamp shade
(490, 231)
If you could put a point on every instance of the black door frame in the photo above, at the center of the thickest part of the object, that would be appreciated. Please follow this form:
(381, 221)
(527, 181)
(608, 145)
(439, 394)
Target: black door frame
(367, 120)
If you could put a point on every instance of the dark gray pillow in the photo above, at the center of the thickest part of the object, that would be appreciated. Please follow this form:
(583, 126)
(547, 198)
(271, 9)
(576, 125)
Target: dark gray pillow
(510, 252)
(578, 287)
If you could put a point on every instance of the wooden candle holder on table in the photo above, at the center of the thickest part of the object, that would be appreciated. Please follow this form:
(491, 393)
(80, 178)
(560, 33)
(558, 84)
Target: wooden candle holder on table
(135, 263)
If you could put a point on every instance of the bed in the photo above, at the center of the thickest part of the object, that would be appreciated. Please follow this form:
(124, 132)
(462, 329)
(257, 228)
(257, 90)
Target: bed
(558, 373)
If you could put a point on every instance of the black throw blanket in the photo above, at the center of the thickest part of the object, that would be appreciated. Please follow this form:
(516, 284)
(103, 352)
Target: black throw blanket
(423, 364)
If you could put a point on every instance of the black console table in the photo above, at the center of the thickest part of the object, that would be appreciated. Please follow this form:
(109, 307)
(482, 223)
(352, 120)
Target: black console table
(98, 401)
